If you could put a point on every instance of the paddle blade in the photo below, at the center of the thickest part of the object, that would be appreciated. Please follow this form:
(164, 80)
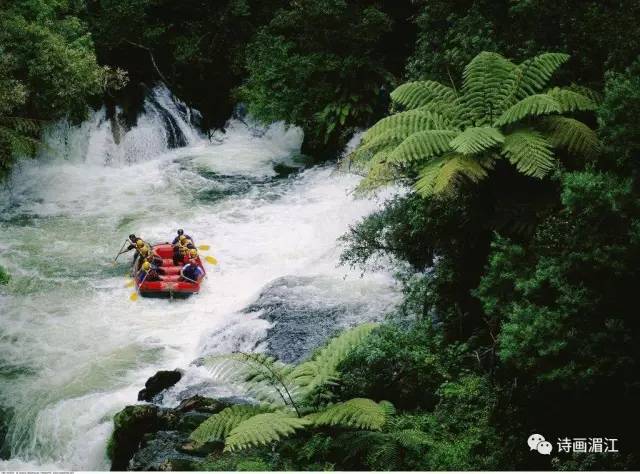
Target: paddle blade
(129, 284)
(204, 247)
(134, 296)
(211, 260)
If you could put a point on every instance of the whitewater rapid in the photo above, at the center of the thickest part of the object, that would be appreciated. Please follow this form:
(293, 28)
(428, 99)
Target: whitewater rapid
(74, 349)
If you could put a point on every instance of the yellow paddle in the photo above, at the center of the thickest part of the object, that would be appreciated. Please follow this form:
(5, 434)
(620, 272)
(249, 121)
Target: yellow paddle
(204, 247)
(211, 260)
(130, 283)
(134, 296)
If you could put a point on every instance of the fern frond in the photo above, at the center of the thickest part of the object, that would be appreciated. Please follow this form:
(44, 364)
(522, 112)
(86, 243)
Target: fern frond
(488, 79)
(529, 152)
(571, 101)
(322, 369)
(407, 122)
(361, 413)
(412, 95)
(534, 73)
(476, 139)
(265, 378)
(572, 135)
(422, 145)
(218, 426)
(441, 174)
(264, 429)
(410, 438)
(538, 104)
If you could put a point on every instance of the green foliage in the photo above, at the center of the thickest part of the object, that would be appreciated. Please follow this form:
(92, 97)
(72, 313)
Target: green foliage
(554, 299)
(322, 82)
(48, 70)
(446, 137)
(289, 393)
(218, 426)
(617, 117)
(361, 413)
(262, 429)
(321, 371)
(5, 276)
(405, 366)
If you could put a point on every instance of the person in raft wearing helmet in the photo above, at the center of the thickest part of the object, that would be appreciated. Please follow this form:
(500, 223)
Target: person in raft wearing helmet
(143, 250)
(181, 249)
(192, 271)
(148, 272)
(181, 234)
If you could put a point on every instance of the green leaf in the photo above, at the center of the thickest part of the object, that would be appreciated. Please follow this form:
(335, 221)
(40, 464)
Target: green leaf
(530, 152)
(264, 429)
(360, 413)
(476, 139)
(572, 135)
(412, 95)
(422, 145)
(538, 104)
(218, 426)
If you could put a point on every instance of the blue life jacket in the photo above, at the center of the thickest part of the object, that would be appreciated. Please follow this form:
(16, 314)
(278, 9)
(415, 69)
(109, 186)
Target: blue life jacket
(192, 272)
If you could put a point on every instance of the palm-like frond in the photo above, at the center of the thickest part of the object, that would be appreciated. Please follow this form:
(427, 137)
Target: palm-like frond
(570, 100)
(441, 174)
(407, 122)
(476, 139)
(218, 426)
(322, 369)
(538, 104)
(572, 135)
(412, 95)
(264, 378)
(486, 86)
(360, 413)
(529, 151)
(534, 74)
(263, 429)
(422, 145)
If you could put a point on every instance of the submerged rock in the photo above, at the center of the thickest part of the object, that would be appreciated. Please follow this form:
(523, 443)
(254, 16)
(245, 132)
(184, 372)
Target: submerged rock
(162, 380)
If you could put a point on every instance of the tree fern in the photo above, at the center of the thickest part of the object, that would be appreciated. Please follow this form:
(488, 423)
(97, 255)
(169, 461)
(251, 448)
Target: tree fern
(501, 111)
(529, 151)
(538, 104)
(322, 369)
(572, 135)
(571, 100)
(264, 429)
(218, 426)
(534, 73)
(422, 144)
(412, 95)
(360, 413)
(476, 139)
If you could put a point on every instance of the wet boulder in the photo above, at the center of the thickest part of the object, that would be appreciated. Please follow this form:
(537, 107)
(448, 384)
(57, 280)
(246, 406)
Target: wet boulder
(162, 380)
(130, 426)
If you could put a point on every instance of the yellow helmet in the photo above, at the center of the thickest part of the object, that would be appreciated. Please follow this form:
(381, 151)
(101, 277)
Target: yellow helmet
(183, 239)
(193, 253)
(146, 266)
(139, 243)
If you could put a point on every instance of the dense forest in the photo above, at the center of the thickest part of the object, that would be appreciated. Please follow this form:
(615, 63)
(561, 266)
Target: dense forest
(512, 128)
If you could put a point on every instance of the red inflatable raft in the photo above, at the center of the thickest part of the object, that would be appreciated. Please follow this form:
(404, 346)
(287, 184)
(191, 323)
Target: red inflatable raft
(170, 284)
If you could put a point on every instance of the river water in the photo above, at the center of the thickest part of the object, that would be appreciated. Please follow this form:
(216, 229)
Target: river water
(74, 349)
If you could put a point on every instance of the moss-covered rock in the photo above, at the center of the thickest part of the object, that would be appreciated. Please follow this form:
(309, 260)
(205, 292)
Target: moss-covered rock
(130, 426)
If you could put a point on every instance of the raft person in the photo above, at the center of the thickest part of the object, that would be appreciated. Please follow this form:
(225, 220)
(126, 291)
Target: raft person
(192, 271)
(181, 234)
(148, 272)
(142, 250)
(181, 249)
